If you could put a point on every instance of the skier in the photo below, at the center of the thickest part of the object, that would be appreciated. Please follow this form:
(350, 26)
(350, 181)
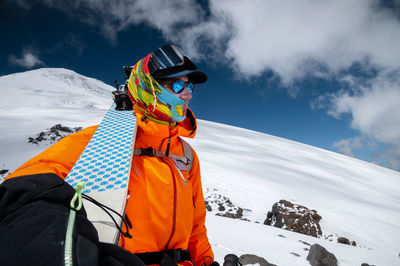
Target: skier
(165, 198)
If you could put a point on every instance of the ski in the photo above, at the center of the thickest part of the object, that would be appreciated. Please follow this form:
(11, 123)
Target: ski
(105, 165)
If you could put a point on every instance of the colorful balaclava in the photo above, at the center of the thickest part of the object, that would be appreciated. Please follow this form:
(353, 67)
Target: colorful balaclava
(151, 99)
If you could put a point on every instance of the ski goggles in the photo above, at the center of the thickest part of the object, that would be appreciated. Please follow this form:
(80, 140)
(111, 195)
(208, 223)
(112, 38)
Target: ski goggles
(169, 56)
(179, 85)
(169, 60)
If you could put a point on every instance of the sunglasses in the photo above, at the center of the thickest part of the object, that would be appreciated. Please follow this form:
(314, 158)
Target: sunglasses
(179, 85)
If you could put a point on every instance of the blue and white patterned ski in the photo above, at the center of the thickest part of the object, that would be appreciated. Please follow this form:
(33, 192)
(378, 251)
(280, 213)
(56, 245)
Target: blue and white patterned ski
(105, 166)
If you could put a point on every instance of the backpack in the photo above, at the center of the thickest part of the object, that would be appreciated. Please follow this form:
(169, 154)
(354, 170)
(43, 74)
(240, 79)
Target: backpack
(186, 159)
(38, 226)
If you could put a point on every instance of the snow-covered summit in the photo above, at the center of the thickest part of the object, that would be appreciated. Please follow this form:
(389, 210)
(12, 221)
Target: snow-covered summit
(53, 87)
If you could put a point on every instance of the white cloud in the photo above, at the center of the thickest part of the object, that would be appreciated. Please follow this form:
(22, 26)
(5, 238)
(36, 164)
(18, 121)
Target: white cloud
(29, 59)
(346, 146)
(392, 155)
(304, 37)
(374, 111)
(113, 17)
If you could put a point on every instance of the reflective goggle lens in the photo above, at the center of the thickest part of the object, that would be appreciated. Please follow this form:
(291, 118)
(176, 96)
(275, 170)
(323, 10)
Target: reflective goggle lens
(179, 85)
(169, 56)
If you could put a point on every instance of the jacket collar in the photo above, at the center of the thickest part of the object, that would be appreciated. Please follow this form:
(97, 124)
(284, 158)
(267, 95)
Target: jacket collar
(186, 128)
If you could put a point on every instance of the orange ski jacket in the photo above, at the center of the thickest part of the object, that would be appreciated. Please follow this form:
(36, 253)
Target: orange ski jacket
(166, 209)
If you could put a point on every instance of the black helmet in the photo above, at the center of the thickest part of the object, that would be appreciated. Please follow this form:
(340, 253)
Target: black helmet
(169, 61)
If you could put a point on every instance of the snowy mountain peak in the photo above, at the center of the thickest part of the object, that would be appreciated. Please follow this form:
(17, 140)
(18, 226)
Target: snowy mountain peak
(73, 79)
(54, 87)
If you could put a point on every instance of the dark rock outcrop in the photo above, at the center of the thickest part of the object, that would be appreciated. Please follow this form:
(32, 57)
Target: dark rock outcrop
(53, 134)
(319, 256)
(208, 206)
(3, 174)
(3, 171)
(235, 215)
(343, 240)
(346, 241)
(295, 218)
(246, 259)
(223, 206)
(305, 243)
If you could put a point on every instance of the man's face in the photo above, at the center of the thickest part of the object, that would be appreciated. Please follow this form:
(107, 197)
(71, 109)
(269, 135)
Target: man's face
(185, 95)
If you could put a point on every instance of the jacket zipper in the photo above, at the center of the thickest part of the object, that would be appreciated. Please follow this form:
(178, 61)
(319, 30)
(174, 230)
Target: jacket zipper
(169, 140)
(174, 212)
(175, 191)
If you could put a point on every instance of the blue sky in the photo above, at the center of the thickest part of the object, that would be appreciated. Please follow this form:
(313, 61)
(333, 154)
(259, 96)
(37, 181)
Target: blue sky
(325, 73)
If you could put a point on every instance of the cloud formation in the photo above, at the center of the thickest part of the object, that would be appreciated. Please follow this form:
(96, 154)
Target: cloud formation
(374, 111)
(374, 107)
(113, 17)
(28, 59)
(346, 146)
(392, 155)
(301, 38)
(291, 39)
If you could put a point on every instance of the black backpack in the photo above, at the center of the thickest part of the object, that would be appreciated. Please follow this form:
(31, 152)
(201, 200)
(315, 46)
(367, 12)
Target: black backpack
(34, 218)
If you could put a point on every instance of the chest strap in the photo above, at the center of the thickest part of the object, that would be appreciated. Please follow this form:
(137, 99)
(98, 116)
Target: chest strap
(177, 255)
(187, 159)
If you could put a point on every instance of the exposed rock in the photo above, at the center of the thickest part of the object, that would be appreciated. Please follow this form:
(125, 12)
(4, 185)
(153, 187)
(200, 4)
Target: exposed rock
(295, 218)
(3, 171)
(319, 256)
(235, 215)
(295, 254)
(246, 259)
(231, 260)
(53, 134)
(208, 207)
(343, 240)
(305, 243)
(223, 206)
(346, 241)
(3, 174)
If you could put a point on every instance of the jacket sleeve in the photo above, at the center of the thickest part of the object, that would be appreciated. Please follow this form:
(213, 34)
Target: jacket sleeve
(58, 158)
(199, 246)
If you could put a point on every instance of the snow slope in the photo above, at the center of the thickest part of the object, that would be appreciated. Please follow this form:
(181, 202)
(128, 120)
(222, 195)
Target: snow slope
(356, 199)
(35, 100)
